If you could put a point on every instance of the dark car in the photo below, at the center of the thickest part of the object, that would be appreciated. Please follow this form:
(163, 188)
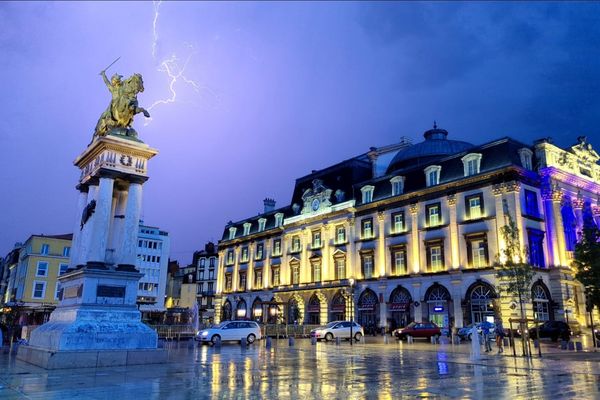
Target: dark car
(552, 329)
(418, 330)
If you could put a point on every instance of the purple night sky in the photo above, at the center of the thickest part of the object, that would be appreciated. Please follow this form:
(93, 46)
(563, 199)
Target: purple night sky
(282, 88)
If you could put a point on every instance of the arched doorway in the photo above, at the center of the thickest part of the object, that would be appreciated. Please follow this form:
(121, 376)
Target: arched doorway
(226, 311)
(313, 309)
(275, 312)
(540, 296)
(438, 300)
(480, 300)
(399, 307)
(241, 310)
(293, 312)
(368, 310)
(257, 310)
(337, 310)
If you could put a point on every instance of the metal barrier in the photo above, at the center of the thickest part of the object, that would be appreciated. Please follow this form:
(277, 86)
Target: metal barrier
(280, 330)
(174, 332)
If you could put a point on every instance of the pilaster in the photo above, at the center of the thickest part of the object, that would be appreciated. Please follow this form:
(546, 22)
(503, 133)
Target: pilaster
(454, 240)
(414, 233)
(381, 253)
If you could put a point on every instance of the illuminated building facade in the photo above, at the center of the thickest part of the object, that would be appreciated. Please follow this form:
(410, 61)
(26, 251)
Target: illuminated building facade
(418, 229)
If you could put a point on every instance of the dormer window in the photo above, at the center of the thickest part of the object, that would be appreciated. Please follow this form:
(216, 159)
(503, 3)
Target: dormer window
(471, 163)
(232, 231)
(367, 193)
(397, 185)
(278, 220)
(247, 226)
(432, 175)
(261, 224)
(525, 154)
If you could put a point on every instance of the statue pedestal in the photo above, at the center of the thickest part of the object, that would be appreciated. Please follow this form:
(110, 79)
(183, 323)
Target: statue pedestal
(97, 322)
(96, 325)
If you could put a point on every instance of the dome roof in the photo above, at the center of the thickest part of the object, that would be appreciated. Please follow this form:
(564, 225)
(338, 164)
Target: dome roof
(435, 145)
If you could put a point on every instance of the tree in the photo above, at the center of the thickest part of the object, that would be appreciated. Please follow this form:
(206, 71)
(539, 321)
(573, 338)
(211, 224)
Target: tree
(587, 263)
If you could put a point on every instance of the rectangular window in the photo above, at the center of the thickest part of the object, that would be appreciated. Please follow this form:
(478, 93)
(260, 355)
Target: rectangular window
(531, 203)
(276, 280)
(258, 281)
(56, 291)
(230, 257)
(474, 206)
(472, 167)
(244, 257)
(210, 287)
(211, 263)
(367, 228)
(316, 239)
(66, 251)
(201, 288)
(367, 266)
(242, 285)
(62, 268)
(259, 251)
(340, 268)
(435, 256)
(42, 268)
(201, 275)
(399, 261)
(433, 214)
(398, 222)
(228, 282)
(39, 290)
(316, 272)
(211, 274)
(433, 178)
(202, 262)
(140, 243)
(296, 244)
(295, 274)
(277, 247)
(340, 234)
(45, 248)
(536, 248)
(477, 251)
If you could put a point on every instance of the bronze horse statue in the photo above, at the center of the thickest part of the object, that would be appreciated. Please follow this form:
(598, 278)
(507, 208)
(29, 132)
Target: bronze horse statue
(118, 116)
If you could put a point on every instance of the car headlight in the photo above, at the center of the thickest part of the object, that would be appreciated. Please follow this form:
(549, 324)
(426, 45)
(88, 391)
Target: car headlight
(204, 333)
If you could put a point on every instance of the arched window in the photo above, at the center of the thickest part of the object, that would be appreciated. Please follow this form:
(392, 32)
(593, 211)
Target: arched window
(293, 311)
(541, 301)
(480, 296)
(437, 293)
(314, 309)
(438, 309)
(241, 310)
(257, 309)
(368, 310)
(226, 311)
(338, 307)
(399, 307)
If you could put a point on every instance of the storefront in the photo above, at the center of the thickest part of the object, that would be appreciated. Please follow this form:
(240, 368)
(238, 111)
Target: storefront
(437, 305)
(337, 309)
(368, 310)
(480, 299)
(313, 310)
(399, 308)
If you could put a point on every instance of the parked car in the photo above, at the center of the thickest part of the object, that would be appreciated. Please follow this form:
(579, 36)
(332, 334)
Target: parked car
(554, 330)
(337, 329)
(418, 330)
(465, 333)
(231, 330)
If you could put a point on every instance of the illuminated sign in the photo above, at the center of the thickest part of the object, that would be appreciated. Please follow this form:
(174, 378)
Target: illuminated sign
(438, 309)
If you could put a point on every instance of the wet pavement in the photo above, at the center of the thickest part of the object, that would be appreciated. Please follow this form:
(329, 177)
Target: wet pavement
(326, 371)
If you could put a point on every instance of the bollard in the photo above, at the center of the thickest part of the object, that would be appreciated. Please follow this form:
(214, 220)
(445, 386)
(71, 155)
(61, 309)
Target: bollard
(268, 342)
(218, 342)
(409, 339)
(506, 342)
(385, 339)
(571, 346)
(291, 341)
(578, 346)
(337, 341)
(432, 339)
(313, 340)
(536, 343)
(243, 342)
(563, 345)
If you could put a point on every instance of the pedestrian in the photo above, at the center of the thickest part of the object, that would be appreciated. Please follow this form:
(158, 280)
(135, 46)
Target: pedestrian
(500, 336)
(485, 330)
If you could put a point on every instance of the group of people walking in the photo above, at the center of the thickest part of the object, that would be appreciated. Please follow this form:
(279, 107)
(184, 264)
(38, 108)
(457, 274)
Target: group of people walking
(487, 330)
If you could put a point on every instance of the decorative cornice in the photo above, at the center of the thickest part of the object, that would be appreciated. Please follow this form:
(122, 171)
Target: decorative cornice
(497, 189)
(512, 186)
(451, 199)
(413, 208)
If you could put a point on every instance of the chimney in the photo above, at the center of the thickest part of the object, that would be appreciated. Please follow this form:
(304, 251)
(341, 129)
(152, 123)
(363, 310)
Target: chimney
(269, 204)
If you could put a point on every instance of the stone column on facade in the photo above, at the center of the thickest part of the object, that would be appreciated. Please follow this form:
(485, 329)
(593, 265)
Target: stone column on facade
(266, 279)
(86, 232)
(118, 228)
(596, 214)
(454, 240)
(554, 225)
(82, 201)
(250, 271)
(101, 221)
(284, 267)
(351, 267)
(305, 267)
(513, 190)
(578, 208)
(235, 275)
(380, 249)
(221, 272)
(128, 253)
(500, 219)
(456, 291)
(326, 261)
(417, 311)
(414, 236)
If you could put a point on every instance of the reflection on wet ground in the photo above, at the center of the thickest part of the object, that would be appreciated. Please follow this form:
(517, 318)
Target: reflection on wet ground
(324, 371)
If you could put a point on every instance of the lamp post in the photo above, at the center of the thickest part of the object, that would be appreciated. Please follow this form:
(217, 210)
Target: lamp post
(351, 282)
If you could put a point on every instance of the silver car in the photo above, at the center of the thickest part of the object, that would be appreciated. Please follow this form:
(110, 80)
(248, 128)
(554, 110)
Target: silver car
(339, 329)
(231, 330)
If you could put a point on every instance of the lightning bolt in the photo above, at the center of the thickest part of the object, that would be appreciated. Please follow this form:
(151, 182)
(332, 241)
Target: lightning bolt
(172, 66)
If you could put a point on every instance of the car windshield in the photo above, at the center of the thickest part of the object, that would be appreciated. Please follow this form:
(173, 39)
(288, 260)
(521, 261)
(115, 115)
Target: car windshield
(331, 324)
(219, 326)
(411, 324)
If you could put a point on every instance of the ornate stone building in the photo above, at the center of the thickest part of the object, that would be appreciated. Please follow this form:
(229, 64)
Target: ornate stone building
(412, 232)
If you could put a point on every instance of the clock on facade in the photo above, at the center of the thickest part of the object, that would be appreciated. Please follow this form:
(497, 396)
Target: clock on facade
(315, 204)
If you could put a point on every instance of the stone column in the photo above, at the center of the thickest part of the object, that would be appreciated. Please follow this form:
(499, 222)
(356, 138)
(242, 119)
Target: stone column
(101, 221)
(118, 224)
(414, 238)
(454, 240)
(380, 250)
(76, 255)
(235, 275)
(351, 267)
(555, 235)
(456, 302)
(500, 220)
(578, 208)
(513, 190)
(418, 311)
(128, 253)
(221, 272)
(250, 272)
(326, 260)
(267, 265)
(304, 264)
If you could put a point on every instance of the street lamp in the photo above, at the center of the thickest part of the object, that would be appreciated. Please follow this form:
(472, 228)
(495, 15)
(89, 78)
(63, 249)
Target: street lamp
(351, 282)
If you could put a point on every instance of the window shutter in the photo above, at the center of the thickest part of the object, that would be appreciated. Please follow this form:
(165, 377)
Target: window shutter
(428, 252)
(469, 252)
(485, 248)
(467, 208)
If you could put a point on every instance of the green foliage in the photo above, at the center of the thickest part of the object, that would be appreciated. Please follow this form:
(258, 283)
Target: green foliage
(514, 273)
(587, 263)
